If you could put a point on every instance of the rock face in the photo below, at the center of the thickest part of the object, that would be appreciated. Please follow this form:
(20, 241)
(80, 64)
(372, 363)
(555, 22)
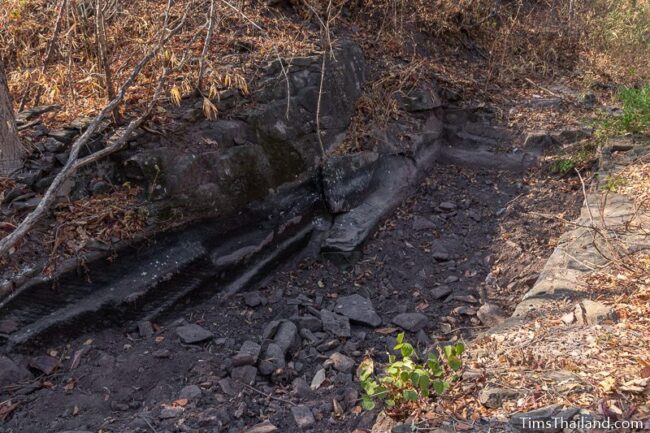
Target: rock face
(345, 178)
(261, 149)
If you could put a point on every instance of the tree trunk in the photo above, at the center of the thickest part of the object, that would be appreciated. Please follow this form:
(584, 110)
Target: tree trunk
(11, 151)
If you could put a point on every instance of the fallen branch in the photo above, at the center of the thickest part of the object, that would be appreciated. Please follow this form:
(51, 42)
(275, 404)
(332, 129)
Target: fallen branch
(73, 163)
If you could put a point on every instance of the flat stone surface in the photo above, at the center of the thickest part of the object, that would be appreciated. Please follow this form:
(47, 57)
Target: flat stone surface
(358, 309)
(335, 324)
(303, 416)
(190, 392)
(495, 397)
(412, 322)
(192, 334)
(309, 322)
(441, 292)
(44, 364)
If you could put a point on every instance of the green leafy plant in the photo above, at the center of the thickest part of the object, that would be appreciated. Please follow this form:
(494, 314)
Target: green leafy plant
(579, 158)
(563, 165)
(613, 183)
(409, 379)
(635, 118)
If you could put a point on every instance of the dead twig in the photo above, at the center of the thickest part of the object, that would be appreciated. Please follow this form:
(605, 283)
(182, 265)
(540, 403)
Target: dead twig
(270, 396)
(100, 36)
(206, 45)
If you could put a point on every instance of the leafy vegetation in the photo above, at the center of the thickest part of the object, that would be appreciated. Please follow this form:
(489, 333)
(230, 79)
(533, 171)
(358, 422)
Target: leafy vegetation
(635, 118)
(580, 158)
(407, 380)
(613, 183)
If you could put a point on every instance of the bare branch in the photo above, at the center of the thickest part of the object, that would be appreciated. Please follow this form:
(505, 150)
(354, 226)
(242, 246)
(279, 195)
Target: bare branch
(206, 45)
(100, 36)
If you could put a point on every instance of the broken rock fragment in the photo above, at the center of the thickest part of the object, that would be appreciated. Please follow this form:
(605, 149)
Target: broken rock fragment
(412, 322)
(495, 397)
(272, 359)
(263, 427)
(44, 364)
(247, 355)
(335, 324)
(192, 334)
(341, 362)
(245, 374)
(11, 373)
(303, 416)
(358, 309)
(594, 313)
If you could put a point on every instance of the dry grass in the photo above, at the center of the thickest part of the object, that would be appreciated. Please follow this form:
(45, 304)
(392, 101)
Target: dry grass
(73, 79)
(479, 47)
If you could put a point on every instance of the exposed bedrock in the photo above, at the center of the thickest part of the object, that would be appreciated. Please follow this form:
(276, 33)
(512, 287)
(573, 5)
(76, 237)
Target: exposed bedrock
(230, 163)
(253, 191)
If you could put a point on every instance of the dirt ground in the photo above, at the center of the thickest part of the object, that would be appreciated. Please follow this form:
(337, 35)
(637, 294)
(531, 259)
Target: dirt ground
(460, 227)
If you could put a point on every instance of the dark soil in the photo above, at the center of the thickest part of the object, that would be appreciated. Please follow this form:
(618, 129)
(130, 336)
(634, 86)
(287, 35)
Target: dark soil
(488, 223)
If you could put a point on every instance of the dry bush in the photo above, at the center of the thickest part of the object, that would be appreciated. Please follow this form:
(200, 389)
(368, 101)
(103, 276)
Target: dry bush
(482, 47)
(617, 39)
(74, 78)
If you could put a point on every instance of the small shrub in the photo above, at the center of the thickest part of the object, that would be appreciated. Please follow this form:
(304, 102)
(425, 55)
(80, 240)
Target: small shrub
(578, 159)
(613, 183)
(563, 166)
(635, 118)
(408, 380)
